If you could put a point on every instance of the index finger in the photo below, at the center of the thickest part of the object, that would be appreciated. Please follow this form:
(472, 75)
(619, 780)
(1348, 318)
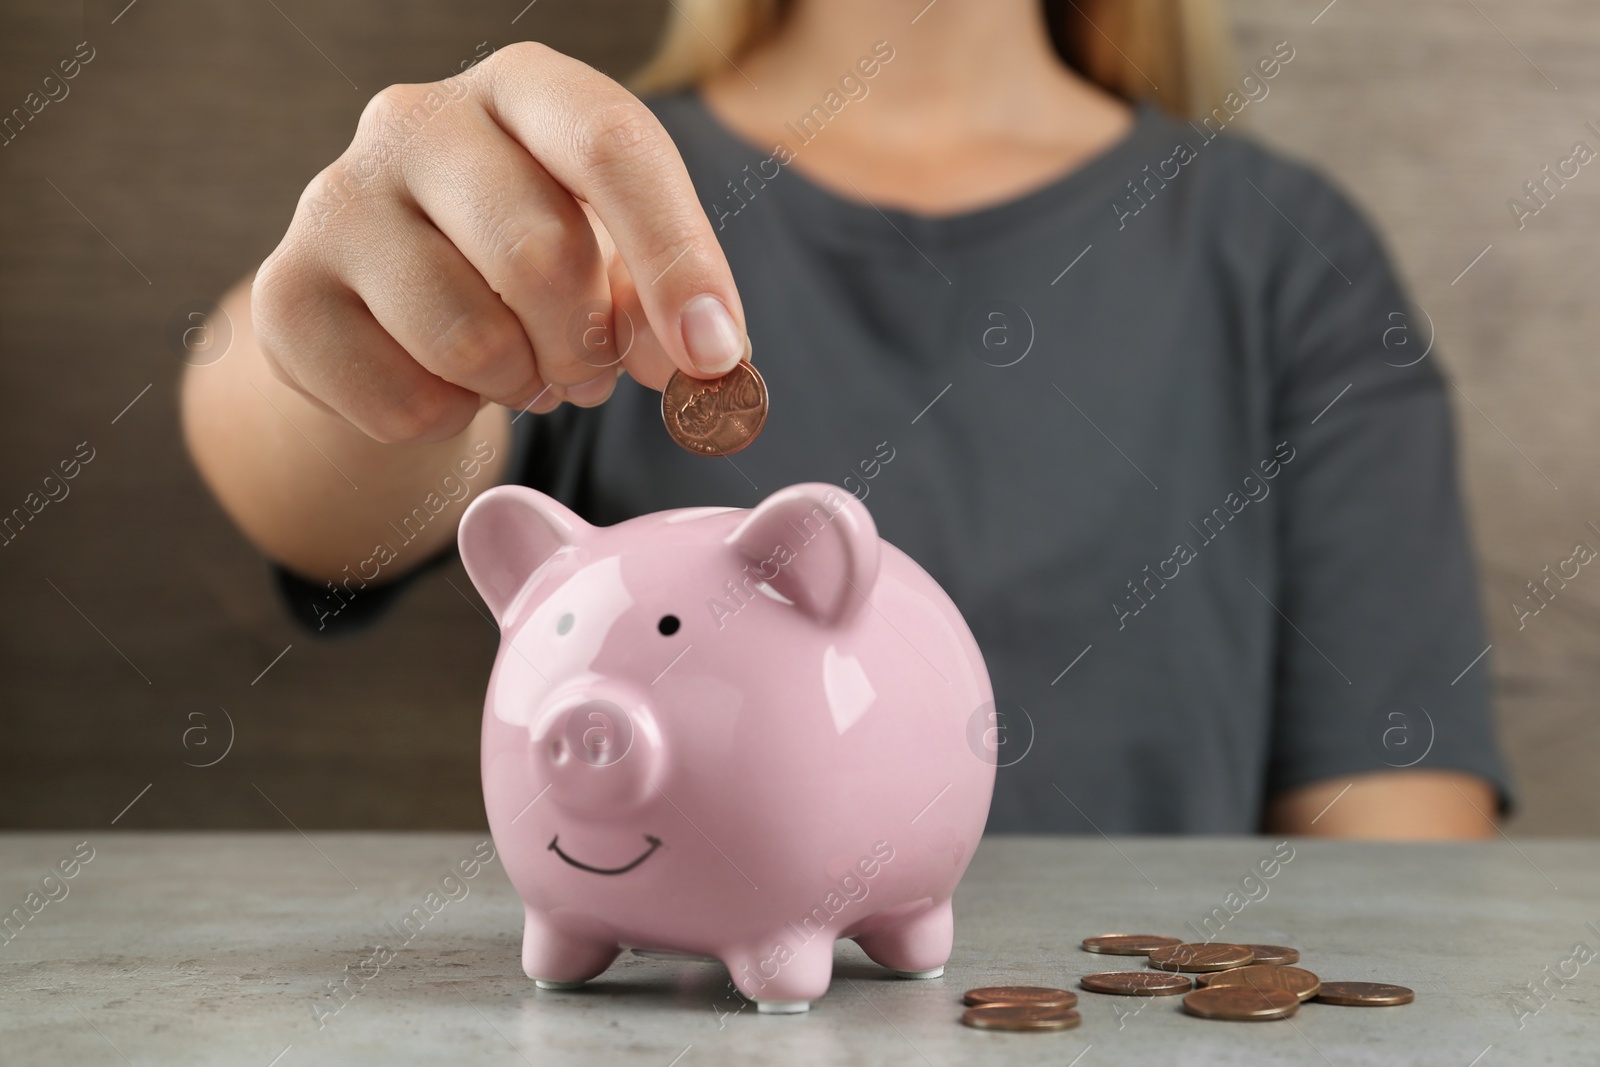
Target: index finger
(607, 149)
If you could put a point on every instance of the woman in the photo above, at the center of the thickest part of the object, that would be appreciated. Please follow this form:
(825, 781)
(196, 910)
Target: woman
(1116, 379)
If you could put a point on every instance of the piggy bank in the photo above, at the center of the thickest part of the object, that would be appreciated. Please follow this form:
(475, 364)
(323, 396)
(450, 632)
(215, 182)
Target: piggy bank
(726, 733)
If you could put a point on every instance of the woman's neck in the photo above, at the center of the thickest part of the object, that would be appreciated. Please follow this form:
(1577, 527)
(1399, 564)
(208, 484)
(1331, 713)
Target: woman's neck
(972, 108)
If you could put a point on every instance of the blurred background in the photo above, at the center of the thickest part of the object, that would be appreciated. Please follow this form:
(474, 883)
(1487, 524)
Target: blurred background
(148, 674)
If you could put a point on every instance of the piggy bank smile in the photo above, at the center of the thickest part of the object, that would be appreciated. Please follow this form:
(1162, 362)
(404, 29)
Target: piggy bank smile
(655, 843)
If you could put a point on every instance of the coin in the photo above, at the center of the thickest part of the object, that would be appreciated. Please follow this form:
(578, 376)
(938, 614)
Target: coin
(1241, 1002)
(1128, 944)
(1136, 983)
(1200, 956)
(1274, 953)
(715, 416)
(1365, 994)
(1029, 995)
(1297, 980)
(1020, 1017)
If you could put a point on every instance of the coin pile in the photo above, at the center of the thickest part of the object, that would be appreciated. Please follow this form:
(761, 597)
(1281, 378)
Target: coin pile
(1235, 982)
(715, 416)
(1240, 982)
(1020, 1007)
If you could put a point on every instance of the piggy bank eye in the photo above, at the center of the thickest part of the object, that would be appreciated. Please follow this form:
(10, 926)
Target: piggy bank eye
(564, 623)
(668, 625)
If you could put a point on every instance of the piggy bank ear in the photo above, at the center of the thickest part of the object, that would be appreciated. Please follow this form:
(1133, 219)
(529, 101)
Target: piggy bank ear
(507, 534)
(815, 544)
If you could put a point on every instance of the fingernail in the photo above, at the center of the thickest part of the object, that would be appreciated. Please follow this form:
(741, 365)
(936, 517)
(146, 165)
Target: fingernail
(714, 340)
(548, 401)
(592, 392)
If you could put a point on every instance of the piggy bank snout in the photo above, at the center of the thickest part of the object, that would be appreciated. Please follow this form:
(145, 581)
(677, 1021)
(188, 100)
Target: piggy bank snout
(601, 753)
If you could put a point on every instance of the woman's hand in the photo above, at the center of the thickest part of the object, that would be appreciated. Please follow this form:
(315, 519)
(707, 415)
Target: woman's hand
(497, 236)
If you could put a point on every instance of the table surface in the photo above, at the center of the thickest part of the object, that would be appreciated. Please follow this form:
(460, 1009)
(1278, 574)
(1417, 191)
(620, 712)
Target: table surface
(217, 948)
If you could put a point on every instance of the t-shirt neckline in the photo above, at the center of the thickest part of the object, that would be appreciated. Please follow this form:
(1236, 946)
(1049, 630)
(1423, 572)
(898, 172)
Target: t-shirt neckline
(827, 211)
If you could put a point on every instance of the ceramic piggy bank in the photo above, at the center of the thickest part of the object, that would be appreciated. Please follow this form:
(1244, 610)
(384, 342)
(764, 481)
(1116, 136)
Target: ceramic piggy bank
(735, 734)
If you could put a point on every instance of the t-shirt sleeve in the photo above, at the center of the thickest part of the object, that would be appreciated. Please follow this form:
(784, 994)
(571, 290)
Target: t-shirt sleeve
(333, 609)
(343, 609)
(1381, 649)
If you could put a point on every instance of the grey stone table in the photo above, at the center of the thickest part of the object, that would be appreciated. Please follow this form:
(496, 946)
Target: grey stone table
(178, 949)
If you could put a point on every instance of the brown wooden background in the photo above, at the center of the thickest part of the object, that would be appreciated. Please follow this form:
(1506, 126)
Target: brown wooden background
(131, 612)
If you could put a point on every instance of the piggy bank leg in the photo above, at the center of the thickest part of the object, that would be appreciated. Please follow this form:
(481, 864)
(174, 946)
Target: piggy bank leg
(916, 947)
(781, 979)
(558, 960)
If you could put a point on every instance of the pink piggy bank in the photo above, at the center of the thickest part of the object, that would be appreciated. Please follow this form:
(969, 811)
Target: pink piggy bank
(727, 733)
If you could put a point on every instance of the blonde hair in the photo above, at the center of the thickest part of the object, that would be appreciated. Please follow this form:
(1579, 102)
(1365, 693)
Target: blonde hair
(1172, 52)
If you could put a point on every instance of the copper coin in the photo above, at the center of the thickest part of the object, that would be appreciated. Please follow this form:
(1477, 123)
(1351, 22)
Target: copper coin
(1241, 1002)
(1274, 953)
(1032, 996)
(715, 416)
(1136, 983)
(1200, 956)
(1365, 994)
(1128, 944)
(1297, 980)
(1020, 1017)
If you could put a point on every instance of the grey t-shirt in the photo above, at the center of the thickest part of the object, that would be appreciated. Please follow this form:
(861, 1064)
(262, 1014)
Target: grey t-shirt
(1159, 428)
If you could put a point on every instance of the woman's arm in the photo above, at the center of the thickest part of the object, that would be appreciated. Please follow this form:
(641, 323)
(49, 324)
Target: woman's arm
(305, 486)
(1392, 805)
